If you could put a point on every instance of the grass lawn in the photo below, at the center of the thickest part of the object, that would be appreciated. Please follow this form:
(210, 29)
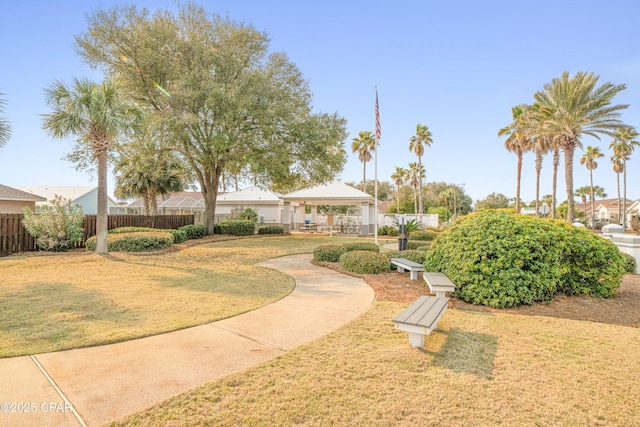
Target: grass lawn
(61, 301)
(478, 369)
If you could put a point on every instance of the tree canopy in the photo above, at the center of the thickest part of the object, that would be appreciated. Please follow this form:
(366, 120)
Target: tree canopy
(224, 99)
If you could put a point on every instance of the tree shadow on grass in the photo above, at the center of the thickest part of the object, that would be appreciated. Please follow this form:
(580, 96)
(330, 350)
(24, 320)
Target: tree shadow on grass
(463, 351)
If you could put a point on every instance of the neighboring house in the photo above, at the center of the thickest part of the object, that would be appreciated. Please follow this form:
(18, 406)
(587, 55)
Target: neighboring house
(606, 209)
(86, 197)
(267, 204)
(13, 200)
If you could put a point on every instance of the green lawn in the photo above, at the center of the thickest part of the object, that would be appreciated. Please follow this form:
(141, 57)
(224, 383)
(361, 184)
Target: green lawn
(70, 300)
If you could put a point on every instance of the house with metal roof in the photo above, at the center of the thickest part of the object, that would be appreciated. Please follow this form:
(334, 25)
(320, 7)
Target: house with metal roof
(84, 196)
(13, 200)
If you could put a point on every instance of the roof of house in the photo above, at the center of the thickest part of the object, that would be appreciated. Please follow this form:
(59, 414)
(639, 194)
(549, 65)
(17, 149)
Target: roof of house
(72, 193)
(336, 192)
(11, 193)
(195, 200)
(609, 203)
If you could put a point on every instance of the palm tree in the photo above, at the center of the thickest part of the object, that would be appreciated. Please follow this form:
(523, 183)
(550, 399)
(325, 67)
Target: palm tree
(399, 177)
(146, 169)
(5, 127)
(517, 142)
(583, 192)
(364, 144)
(417, 144)
(98, 116)
(549, 200)
(618, 167)
(589, 160)
(623, 144)
(416, 173)
(571, 107)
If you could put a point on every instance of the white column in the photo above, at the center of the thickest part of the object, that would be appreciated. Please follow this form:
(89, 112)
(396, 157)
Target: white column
(300, 217)
(314, 214)
(364, 228)
(286, 221)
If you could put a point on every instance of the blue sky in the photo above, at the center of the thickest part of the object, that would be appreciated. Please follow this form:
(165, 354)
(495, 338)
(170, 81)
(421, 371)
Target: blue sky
(455, 66)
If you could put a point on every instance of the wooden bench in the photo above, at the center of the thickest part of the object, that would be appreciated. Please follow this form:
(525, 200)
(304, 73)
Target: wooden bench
(421, 318)
(438, 283)
(404, 264)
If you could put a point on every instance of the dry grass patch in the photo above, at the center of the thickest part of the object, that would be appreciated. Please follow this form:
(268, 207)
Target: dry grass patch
(479, 369)
(68, 300)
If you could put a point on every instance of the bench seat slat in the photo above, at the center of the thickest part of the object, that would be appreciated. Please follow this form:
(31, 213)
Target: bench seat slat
(424, 312)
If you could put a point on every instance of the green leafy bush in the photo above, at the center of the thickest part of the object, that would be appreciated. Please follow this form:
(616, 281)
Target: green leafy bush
(236, 227)
(328, 252)
(411, 255)
(630, 264)
(424, 248)
(194, 231)
(415, 244)
(57, 226)
(410, 225)
(388, 230)
(271, 229)
(179, 235)
(361, 246)
(423, 235)
(500, 259)
(364, 262)
(134, 242)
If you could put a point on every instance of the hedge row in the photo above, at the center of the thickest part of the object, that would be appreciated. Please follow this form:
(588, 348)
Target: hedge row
(237, 227)
(331, 252)
(134, 242)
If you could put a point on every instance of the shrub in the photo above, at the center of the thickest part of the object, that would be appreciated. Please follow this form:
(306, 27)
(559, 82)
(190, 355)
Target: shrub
(501, 259)
(388, 230)
(194, 231)
(411, 255)
(630, 264)
(410, 225)
(415, 244)
(424, 248)
(236, 227)
(179, 235)
(328, 252)
(134, 242)
(271, 229)
(423, 235)
(58, 226)
(361, 246)
(364, 262)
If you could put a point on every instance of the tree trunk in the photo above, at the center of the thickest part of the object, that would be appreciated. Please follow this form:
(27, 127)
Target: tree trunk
(593, 202)
(554, 184)
(398, 200)
(538, 169)
(153, 203)
(420, 202)
(101, 217)
(624, 198)
(569, 147)
(618, 183)
(364, 177)
(518, 177)
(209, 188)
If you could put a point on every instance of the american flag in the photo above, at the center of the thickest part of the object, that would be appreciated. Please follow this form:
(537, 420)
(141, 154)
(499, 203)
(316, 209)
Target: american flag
(378, 132)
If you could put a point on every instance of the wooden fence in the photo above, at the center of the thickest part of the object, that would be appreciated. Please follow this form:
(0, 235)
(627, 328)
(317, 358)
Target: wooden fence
(15, 238)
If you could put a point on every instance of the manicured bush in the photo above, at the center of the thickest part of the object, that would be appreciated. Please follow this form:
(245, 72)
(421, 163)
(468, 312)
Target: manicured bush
(415, 244)
(388, 230)
(134, 242)
(630, 264)
(236, 227)
(194, 231)
(271, 229)
(361, 246)
(57, 226)
(328, 252)
(501, 259)
(423, 235)
(179, 235)
(411, 255)
(364, 262)
(424, 248)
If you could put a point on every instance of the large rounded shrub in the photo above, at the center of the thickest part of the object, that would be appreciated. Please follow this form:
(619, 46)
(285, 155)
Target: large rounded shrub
(364, 262)
(423, 235)
(361, 246)
(329, 252)
(134, 242)
(501, 259)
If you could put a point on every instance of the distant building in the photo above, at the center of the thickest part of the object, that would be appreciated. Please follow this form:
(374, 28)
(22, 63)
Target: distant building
(86, 197)
(14, 200)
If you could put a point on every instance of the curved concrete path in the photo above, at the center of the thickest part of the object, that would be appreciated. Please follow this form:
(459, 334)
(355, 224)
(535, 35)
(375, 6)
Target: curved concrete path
(96, 385)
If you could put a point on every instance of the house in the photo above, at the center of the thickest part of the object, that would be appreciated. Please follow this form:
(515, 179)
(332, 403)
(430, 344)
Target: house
(13, 200)
(606, 209)
(266, 203)
(86, 197)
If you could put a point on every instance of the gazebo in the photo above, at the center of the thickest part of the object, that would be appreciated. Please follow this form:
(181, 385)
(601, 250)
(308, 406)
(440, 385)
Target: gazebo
(332, 194)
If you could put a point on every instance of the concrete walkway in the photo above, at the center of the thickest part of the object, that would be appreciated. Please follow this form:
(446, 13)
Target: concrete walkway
(96, 385)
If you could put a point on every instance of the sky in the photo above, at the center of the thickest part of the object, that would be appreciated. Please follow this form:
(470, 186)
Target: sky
(456, 66)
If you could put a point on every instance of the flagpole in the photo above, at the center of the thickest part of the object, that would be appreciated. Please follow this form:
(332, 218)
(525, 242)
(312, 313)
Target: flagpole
(375, 174)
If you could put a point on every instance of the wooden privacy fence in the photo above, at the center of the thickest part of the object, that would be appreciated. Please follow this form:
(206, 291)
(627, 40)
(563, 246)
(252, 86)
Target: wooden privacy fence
(15, 238)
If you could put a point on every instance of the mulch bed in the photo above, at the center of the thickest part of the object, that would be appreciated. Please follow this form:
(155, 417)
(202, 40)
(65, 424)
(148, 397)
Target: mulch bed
(623, 309)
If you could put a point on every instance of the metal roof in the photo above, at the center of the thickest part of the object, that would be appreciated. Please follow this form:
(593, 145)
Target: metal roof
(331, 193)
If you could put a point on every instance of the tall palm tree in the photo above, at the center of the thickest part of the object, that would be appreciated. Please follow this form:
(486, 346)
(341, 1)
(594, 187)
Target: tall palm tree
(97, 115)
(399, 177)
(416, 173)
(589, 160)
(618, 167)
(548, 200)
(583, 192)
(624, 143)
(571, 107)
(417, 144)
(517, 142)
(5, 127)
(146, 169)
(364, 144)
